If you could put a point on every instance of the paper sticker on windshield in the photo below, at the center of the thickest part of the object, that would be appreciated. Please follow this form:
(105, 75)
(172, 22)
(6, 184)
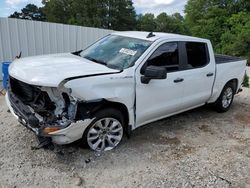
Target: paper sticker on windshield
(128, 51)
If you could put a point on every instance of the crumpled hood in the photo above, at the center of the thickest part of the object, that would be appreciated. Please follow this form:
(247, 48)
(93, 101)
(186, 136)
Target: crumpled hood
(50, 70)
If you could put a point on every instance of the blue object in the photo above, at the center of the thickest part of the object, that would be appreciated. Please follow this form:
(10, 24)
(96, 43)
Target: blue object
(5, 73)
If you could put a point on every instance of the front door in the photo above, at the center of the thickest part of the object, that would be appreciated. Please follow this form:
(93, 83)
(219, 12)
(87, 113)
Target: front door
(160, 98)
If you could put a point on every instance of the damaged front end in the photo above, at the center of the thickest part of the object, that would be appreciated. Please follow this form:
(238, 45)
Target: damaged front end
(49, 112)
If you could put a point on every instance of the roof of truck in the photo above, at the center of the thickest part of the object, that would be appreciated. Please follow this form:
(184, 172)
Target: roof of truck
(143, 35)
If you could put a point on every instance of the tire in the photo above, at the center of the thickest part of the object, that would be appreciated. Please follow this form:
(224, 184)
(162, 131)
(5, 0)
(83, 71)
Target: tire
(105, 132)
(226, 98)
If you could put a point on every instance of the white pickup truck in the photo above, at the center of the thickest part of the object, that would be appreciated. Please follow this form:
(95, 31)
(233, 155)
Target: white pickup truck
(121, 82)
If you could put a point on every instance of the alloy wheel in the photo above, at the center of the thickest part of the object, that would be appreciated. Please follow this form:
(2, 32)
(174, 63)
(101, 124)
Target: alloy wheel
(227, 97)
(105, 134)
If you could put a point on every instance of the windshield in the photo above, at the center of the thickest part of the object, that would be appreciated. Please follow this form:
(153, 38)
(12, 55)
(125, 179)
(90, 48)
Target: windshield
(116, 52)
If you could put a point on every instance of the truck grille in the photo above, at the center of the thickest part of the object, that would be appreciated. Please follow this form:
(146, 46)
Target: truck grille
(23, 91)
(32, 96)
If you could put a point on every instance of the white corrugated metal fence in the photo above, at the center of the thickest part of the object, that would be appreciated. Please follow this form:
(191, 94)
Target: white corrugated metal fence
(36, 38)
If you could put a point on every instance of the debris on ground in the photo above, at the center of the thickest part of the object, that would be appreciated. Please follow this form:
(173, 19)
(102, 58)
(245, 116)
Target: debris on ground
(199, 148)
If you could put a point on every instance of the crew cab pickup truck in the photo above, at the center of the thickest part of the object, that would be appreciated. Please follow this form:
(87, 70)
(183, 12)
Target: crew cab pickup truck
(121, 82)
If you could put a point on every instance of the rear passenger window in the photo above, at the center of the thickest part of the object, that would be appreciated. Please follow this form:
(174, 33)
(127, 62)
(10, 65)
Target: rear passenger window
(196, 54)
(167, 55)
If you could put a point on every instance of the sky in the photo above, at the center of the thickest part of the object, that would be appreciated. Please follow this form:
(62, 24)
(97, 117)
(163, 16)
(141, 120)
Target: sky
(7, 7)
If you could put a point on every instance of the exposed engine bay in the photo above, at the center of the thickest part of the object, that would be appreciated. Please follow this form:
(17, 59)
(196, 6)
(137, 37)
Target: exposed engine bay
(49, 105)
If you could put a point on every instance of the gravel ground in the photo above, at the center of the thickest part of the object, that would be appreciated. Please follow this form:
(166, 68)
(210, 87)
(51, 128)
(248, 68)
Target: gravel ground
(200, 148)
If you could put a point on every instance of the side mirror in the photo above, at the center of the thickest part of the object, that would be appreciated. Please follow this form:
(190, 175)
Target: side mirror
(153, 72)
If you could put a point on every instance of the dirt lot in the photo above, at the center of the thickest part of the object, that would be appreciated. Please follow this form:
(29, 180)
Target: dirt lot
(200, 148)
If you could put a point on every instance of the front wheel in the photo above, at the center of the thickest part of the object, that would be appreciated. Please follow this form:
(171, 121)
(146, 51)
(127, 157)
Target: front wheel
(225, 99)
(105, 132)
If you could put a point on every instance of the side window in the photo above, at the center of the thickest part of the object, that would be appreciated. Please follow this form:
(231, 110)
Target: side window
(196, 54)
(167, 55)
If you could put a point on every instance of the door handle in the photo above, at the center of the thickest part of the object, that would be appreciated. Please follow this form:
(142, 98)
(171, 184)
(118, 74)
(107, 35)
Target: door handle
(178, 80)
(210, 74)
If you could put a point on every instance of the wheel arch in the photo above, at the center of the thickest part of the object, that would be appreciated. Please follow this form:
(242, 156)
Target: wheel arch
(118, 106)
(235, 83)
(218, 104)
(89, 108)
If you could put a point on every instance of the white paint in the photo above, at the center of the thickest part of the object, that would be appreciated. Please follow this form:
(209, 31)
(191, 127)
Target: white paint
(154, 101)
(71, 133)
(50, 70)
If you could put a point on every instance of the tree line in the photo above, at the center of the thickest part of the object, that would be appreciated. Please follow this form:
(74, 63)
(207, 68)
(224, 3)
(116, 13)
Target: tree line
(225, 22)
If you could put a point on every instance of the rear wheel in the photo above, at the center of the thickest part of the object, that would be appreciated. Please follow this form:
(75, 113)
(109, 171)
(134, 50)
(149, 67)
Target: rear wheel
(225, 100)
(106, 131)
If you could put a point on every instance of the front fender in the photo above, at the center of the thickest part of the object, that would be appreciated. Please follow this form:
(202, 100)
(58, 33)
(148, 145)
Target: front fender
(117, 88)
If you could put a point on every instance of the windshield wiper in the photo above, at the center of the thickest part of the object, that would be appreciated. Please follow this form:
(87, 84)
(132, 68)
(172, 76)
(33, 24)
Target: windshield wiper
(96, 61)
(77, 52)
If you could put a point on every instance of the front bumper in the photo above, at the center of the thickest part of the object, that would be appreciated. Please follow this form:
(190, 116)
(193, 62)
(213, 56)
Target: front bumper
(24, 115)
(71, 133)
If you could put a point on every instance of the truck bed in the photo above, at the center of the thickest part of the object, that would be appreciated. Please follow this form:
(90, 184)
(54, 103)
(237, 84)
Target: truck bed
(228, 68)
(226, 59)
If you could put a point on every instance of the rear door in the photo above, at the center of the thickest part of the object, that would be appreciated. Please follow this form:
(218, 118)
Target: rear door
(198, 75)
